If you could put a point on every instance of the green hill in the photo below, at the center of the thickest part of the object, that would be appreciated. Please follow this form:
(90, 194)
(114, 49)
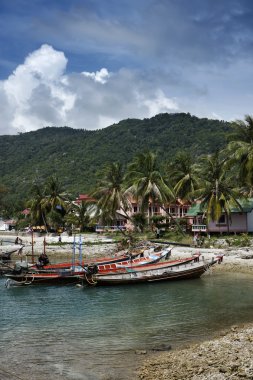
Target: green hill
(75, 155)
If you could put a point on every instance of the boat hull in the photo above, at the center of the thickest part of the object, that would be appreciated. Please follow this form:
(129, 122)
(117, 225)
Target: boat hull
(41, 279)
(174, 273)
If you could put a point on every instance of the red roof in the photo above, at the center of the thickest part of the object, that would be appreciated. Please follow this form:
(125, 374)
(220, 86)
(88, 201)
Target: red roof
(84, 198)
(26, 211)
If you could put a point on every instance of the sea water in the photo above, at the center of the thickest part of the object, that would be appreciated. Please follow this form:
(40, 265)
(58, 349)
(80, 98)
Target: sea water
(72, 333)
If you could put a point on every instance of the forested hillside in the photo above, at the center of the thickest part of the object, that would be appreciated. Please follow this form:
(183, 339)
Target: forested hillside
(76, 155)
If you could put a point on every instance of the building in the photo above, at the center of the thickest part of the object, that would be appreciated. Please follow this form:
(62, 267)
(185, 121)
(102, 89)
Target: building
(239, 220)
(176, 210)
(7, 225)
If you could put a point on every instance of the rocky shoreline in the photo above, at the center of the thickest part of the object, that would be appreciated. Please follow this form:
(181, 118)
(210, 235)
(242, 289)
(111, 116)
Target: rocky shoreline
(228, 357)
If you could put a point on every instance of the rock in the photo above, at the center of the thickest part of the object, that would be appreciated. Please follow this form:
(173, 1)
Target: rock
(220, 359)
(223, 369)
(141, 352)
(162, 347)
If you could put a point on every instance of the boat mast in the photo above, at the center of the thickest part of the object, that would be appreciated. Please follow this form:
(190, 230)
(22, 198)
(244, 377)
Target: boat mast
(80, 250)
(32, 248)
(73, 253)
(44, 246)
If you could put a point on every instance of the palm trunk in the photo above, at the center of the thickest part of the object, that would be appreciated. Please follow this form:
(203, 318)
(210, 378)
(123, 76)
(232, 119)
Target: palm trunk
(44, 221)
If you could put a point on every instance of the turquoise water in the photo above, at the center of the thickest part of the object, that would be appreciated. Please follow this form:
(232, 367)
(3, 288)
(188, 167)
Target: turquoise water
(92, 333)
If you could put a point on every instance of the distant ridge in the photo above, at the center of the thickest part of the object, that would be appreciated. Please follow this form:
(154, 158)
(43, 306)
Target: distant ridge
(75, 155)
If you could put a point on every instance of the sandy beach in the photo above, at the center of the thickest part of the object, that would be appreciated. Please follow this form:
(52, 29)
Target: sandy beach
(95, 245)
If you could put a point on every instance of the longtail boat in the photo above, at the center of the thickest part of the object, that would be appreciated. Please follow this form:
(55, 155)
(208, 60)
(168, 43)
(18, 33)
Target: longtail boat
(164, 271)
(141, 256)
(5, 255)
(24, 279)
(23, 276)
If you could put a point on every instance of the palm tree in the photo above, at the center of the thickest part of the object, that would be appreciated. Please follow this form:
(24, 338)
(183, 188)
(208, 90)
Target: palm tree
(185, 175)
(217, 194)
(55, 202)
(38, 212)
(145, 182)
(80, 214)
(110, 193)
(55, 199)
(240, 150)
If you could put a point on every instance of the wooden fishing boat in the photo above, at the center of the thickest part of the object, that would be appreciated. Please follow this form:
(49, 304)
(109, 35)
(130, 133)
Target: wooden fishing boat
(103, 260)
(25, 279)
(120, 268)
(137, 258)
(5, 255)
(166, 271)
(25, 276)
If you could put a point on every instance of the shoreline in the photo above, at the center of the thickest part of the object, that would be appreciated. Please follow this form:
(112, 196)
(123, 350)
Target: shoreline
(96, 245)
(227, 356)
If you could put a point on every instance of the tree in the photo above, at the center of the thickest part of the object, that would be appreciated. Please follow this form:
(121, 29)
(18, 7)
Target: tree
(48, 203)
(38, 212)
(3, 192)
(240, 151)
(80, 214)
(145, 182)
(139, 221)
(185, 175)
(55, 198)
(217, 194)
(110, 193)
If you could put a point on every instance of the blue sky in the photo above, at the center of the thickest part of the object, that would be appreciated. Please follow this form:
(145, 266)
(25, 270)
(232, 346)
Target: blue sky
(91, 63)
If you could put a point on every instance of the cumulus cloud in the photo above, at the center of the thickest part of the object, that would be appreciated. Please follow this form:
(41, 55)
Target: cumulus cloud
(40, 93)
(99, 76)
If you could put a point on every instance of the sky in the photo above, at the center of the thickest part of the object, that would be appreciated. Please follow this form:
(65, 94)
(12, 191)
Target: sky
(88, 64)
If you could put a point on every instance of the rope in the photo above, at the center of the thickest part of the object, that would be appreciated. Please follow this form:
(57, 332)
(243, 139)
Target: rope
(90, 282)
(26, 280)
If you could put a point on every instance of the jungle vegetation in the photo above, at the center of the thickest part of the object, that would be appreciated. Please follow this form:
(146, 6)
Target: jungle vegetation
(168, 156)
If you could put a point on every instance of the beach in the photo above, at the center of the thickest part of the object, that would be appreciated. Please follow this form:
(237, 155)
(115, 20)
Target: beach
(96, 245)
(230, 356)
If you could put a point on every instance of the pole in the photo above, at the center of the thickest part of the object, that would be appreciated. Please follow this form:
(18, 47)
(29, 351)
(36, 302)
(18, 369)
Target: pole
(73, 253)
(80, 250)
(32, 248)
(44, 246)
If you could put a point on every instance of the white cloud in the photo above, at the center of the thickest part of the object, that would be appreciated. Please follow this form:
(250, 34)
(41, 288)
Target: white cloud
(40, 93)
(99, 76)
(36, 92)
(160, 103)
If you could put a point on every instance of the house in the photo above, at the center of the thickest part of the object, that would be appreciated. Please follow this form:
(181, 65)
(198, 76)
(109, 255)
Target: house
(84, 198)
(240, 220)
(176, 210)
(7, 225)
(26, 212)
